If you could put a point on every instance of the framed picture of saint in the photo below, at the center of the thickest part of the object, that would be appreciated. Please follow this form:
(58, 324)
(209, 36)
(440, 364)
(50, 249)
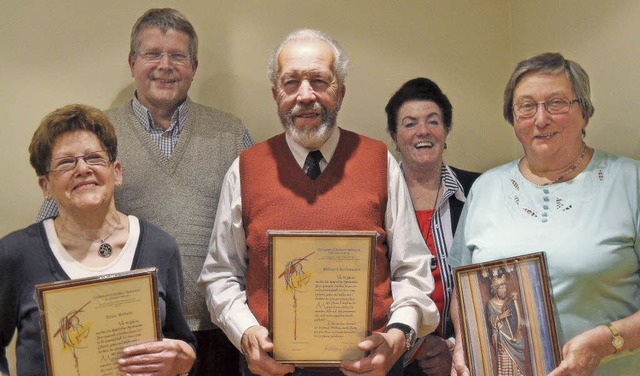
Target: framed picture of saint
(507, 316)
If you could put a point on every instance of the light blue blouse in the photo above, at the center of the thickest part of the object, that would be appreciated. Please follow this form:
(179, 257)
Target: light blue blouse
(588, 227)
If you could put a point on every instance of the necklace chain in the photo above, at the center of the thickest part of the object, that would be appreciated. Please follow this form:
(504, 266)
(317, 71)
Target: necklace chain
(105, 248)
(435, 204)
(571, 169)
(434, 263)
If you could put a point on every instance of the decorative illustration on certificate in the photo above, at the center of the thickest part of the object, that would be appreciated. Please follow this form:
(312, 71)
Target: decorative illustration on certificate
(295, 279)
(73, 333)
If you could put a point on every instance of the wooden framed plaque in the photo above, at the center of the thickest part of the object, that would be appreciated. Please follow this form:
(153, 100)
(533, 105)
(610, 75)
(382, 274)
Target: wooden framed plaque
(87, 322)
(320, 295)
(507, 316)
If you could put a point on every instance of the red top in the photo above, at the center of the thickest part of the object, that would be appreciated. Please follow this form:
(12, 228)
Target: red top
(424, 219)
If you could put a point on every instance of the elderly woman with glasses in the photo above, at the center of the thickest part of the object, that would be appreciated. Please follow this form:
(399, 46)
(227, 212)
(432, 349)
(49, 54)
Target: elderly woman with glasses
(578, 205)
(74, 154)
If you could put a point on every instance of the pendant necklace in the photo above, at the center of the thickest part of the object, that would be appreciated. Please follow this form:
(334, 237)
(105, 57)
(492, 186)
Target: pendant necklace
(105, 250)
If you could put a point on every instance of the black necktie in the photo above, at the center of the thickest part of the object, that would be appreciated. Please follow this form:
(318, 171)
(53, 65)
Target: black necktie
(313, 161)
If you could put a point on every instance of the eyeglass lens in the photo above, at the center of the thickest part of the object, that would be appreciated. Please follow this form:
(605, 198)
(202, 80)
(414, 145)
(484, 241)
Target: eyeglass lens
(553, 106)
(156, 56)
(94, 158)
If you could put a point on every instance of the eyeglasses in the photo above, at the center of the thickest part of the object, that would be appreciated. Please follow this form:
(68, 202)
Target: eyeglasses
(554, 106)
(174, 57)
(94, 158)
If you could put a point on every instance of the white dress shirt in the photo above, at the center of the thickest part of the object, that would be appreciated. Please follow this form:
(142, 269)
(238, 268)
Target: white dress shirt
(223, 273)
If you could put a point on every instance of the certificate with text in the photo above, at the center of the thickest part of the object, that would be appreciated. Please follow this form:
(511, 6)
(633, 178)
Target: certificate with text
(87, 322)
(320, 295)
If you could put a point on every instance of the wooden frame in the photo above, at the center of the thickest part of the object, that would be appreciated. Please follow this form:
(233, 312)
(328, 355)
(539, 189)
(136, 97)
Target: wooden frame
(507, 316)
(87, 322)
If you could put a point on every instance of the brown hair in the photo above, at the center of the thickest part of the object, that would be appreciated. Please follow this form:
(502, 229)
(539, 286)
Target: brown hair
(165, 19)
(71, 118)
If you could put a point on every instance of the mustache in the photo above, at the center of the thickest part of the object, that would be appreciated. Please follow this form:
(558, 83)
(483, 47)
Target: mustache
(311, 138)
(315, 106)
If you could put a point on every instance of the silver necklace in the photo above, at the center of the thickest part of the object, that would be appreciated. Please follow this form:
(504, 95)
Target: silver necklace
(105, 250)
(571, 169)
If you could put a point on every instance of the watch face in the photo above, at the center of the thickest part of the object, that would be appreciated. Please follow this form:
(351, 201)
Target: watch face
(617, 342)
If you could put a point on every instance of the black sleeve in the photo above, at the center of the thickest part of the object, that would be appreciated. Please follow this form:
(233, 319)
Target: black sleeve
(8, 305)
(175, 325)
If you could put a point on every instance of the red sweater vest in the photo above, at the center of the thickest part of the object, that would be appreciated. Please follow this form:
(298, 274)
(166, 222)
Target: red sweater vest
(350, 194)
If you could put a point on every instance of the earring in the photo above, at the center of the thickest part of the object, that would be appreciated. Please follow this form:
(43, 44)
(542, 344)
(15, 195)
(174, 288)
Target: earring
(445, 145)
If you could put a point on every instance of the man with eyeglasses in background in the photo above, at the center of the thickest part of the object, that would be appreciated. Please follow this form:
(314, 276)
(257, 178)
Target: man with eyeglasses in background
(174, 154)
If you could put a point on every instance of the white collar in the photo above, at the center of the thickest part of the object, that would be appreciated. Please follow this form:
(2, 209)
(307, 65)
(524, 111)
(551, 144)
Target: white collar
(327, 149)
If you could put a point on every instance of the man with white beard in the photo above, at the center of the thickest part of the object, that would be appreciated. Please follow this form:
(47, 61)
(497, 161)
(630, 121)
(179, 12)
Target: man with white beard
(316, 176)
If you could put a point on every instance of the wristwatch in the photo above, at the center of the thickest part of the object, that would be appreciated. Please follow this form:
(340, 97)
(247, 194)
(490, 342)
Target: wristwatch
(616, 339)
(409, 333)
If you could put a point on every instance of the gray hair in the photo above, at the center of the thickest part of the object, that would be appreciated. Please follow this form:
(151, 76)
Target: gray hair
(340, 63)
(166, 19)
(552, 63)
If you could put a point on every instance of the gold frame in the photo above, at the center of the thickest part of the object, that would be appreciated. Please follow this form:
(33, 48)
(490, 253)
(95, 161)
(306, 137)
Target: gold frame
(531, 318)
(320, 295)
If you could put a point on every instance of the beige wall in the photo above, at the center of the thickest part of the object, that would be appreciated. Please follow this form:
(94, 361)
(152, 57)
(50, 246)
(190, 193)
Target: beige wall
(55, 53)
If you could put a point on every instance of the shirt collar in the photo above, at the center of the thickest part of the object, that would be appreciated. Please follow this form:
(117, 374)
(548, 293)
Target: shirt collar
(450, 182)
(144, 116)
(327, 149)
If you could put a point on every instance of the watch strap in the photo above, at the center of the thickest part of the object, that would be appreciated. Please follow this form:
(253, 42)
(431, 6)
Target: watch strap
(616, 339)
(409, 333)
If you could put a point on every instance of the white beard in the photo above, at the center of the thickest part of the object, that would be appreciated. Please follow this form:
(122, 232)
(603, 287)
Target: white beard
(310, 138)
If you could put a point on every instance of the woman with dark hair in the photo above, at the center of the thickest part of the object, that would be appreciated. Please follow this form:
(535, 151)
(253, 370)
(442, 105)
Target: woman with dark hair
(419, 119)
(579, 205)
(74, 152)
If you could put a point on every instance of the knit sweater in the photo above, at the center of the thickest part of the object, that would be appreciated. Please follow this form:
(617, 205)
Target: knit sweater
(179, 194)
(350, 194)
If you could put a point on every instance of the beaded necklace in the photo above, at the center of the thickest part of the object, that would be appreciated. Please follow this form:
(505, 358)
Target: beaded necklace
(569, 170)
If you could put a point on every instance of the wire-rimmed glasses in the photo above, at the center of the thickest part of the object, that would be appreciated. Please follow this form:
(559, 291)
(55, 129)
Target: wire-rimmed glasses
(174, 57)
(554, 106)
(68, 163)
